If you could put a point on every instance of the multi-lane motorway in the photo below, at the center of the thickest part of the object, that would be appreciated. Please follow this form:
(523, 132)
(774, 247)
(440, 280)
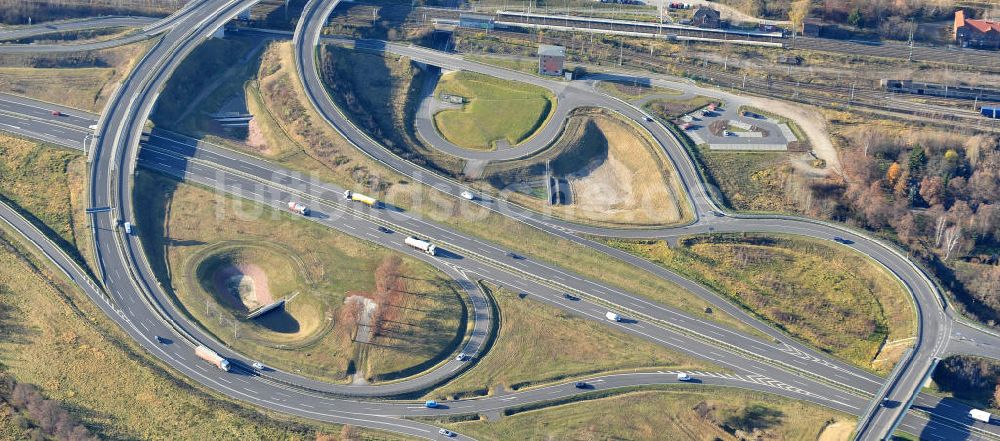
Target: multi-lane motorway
(786, 368)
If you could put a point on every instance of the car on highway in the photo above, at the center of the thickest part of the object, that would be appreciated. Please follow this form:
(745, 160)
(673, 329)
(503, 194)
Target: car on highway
(446, 432)
(683, 377)
(128, 227)
(648, 119)
(581, 385)
(839, 239)
(57, 113)
(727, 133)
(718, 214)
(431, 404)
(514, 255)
(570, 297)
(158, 339)
(461, 356)
(384, 229)
(258, 365)
(468, 195)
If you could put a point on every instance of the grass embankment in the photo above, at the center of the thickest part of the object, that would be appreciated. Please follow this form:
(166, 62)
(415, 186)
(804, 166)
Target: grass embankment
(496, 110)
(616, 175)
(837, 300)
(210, 75)
(83, 80)
(47, 184)
(311, 146)
(381, 93)
(633, 91)
(512, 63)
(55, 338)
(675, 413)
(182, 224)
(538, 343)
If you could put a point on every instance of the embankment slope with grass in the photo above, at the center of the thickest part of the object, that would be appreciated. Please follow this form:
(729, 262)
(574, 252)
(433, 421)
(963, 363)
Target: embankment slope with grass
(835, 299)
(84, 80)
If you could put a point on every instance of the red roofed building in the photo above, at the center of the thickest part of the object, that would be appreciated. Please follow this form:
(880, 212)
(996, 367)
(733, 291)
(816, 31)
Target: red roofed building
(976, 33)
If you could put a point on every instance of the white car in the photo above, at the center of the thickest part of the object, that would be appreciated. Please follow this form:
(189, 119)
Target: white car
(468, 195)
(258, 365)
(461, 356)
(446, 432)
(128, 227)
(683, 377)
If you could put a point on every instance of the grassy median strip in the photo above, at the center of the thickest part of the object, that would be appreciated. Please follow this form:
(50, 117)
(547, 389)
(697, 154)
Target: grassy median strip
(538, 344)
(837, 300)
(674, 413)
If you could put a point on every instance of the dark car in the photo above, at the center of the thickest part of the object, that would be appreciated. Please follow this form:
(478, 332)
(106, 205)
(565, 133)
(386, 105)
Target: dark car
(515, 256)
(57, 113)
(384, 229)
(581, 385)
(569, 296)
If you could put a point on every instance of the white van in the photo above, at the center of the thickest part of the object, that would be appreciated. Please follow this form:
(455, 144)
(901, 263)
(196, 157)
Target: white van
(613, 317)
(128, 227)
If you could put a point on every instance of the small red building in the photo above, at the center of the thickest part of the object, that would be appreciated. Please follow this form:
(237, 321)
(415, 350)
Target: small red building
(981, 34)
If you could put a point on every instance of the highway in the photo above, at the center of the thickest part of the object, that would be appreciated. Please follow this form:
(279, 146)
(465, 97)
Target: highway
(130, 282)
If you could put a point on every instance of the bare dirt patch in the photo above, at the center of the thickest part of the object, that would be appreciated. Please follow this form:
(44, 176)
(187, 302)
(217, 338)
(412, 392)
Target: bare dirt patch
(242, 286)
(256, 138)
(838, 431)
(631, 184)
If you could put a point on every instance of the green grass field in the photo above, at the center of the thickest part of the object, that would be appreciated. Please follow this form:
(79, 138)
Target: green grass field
(672, 413)
(538, 343)
(837, 300)
(84, 80)
(180, 223)
(496, 110)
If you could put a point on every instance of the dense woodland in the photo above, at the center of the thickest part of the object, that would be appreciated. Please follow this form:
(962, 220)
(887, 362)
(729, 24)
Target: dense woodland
(970, 378)
(935, 193)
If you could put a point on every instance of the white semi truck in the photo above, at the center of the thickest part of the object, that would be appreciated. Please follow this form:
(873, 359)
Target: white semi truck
(421, 245)
(298, 208)
(367, 200)
(210, 356)
(980, 415)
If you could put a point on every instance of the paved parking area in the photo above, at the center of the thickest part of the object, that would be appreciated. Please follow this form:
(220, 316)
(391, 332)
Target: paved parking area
(739, 131)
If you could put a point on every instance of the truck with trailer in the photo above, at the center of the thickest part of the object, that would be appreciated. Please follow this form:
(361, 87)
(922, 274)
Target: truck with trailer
(367, 200)
(204, 353)
(980, 415)
(295, 207)
(421, 245)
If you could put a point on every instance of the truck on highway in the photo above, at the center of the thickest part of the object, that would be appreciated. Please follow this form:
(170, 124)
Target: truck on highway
(367, 200)
(295, 207)
(613, 317)
(980, 415)
(421, 245)
(204, 353)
